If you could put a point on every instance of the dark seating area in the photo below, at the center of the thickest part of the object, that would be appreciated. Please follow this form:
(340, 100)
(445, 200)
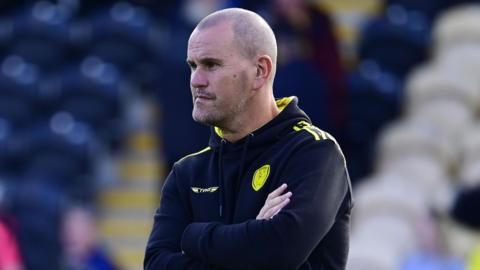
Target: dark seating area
(74, 76)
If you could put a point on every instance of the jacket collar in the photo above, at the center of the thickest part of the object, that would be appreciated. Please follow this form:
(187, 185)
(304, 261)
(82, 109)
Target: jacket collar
(289, 114)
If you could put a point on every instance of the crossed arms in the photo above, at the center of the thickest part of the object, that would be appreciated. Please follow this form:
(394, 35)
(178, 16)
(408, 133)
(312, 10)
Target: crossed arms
(282, 242)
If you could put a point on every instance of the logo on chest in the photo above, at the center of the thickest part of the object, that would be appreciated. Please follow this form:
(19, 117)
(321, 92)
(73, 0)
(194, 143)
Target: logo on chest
(204, 190)
(260, 177)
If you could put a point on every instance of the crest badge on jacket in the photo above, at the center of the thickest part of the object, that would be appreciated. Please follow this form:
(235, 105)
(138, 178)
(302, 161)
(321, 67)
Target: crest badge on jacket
(260, 177)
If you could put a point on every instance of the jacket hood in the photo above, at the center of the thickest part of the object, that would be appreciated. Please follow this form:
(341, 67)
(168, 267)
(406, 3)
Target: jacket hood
(282, 124)
(266, 135)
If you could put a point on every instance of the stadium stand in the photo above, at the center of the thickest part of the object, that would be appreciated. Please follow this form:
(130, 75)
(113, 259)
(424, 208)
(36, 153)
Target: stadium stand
(95, 108)
(426, 151)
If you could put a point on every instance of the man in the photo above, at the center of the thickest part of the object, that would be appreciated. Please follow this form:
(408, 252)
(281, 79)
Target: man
(271, 191)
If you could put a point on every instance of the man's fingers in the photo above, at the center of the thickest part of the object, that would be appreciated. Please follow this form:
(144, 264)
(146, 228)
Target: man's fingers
(272, 206)
(261, 213)
(274, 201)
(270, 213)
(277, 191)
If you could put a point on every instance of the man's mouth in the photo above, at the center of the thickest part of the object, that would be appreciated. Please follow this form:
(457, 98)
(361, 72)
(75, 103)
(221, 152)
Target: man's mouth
(204, 97)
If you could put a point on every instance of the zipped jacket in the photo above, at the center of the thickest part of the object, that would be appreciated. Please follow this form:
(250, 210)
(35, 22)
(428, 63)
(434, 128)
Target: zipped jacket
(210, 200)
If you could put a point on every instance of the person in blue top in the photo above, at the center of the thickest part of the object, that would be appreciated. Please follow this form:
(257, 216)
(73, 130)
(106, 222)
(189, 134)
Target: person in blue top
(271, 191)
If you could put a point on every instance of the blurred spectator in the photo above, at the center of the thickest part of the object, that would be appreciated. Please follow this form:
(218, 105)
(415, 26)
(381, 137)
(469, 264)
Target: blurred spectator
(465, 208)
(430, 253)
(310, 67)
(474, 263)
(35, 206)
(10, 258)
(9, 255)
(81, 247)
(42, 42)
(305, 35)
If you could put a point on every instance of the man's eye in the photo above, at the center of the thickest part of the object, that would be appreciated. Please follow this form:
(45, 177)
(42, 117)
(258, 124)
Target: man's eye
(191, 65)
(211, 65)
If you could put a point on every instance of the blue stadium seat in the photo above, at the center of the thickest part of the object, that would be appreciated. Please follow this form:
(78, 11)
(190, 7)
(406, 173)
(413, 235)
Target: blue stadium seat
(17, 96)
(375, 94)
(39, 36)
(91, 93)
(375, 100)
(396, 42)
(8, 153)
(36, 209)
(122, 34)
(304, 80)
(429, 8)
(126, 36)
(59, 155)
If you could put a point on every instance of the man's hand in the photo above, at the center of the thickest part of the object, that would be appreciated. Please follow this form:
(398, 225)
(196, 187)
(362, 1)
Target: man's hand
(274, 203)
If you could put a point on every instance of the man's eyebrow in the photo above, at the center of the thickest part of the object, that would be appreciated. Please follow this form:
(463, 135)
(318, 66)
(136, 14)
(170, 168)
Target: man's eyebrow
(205, 60)
(210, 60)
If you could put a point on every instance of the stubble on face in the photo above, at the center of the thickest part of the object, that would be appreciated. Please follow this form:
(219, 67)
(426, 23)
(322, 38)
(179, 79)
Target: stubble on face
(225, 91)
(223, 110)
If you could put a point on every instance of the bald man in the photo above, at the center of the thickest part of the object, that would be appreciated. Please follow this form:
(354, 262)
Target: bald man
(271, 191)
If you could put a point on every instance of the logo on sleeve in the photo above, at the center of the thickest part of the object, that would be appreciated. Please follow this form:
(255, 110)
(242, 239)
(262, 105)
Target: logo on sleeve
(260, 177)
(204, 190)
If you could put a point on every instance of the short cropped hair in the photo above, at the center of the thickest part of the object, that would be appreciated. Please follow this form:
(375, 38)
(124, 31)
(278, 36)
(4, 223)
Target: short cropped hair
(251, 32)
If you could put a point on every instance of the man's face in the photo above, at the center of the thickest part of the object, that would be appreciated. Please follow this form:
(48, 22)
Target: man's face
(221, 77)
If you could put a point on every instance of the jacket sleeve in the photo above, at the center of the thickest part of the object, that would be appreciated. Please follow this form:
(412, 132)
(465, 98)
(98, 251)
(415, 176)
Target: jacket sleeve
(318, 179)
(163, 248)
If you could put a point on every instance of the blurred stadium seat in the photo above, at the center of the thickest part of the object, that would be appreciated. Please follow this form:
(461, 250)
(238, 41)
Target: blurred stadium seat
(431, 83)
(457, 26)
(124, 35)
(366, 255)
(92, 93)
(410, 138)
(39, 35)
(428, 154)
(37, 208)
(77, 77)
(60, 154)
(17, 98)
(430, 9)
(397, 41)
(313, 87)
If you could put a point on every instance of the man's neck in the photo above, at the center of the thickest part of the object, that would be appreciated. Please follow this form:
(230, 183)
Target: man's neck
(250, 121)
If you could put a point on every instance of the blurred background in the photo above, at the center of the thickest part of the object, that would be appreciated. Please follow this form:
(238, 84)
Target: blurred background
(95, 108)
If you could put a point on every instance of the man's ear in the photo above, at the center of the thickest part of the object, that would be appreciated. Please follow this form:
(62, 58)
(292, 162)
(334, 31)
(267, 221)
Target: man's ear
(264, 67)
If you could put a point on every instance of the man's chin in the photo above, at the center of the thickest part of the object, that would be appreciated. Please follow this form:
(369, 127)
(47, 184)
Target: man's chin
(204, 119)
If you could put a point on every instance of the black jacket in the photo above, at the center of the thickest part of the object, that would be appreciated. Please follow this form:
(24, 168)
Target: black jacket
(210, 200)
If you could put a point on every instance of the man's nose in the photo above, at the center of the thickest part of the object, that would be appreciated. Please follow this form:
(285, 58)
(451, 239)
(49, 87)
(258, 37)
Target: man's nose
(198, 79)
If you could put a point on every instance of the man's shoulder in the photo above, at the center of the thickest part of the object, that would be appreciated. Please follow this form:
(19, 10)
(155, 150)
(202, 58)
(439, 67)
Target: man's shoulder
(311, 138)
(193, 157)
(311, 133)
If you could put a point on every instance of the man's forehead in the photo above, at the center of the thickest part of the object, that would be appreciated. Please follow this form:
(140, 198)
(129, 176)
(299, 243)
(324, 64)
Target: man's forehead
(214, 34)
(210, 41)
